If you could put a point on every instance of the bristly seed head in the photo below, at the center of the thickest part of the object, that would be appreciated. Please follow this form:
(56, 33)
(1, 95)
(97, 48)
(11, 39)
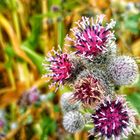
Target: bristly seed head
(92, 38)
(73, 121)
(123, 70)
(113, 118)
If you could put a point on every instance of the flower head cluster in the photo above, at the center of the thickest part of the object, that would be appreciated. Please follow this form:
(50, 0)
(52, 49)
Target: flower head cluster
(93, 71)
(92, 38)
(113, 118)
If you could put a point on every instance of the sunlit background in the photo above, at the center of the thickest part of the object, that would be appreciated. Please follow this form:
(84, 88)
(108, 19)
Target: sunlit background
(29, 29)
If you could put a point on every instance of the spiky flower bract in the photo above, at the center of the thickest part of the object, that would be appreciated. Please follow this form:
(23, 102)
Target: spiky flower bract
(67, 104)
(73, 121)
(90, 88)
(78, 67)
(113, 119)
(123, 70)
(92, 38)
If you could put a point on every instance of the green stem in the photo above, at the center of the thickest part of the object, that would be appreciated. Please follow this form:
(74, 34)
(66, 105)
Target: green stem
(89, 126)
(60, 33)
(13, 112)
(16, 19)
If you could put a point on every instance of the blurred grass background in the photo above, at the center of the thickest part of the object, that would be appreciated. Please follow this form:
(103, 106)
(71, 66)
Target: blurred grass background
(28, 31)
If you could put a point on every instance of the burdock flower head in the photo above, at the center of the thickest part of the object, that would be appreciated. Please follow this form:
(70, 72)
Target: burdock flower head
(91, 38)
(123, 70)
(60, 66)
(90, 88)
(113, 119)
(63, 67)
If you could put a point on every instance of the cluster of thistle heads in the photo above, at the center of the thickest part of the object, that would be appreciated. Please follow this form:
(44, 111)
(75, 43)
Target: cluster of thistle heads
(93, 70)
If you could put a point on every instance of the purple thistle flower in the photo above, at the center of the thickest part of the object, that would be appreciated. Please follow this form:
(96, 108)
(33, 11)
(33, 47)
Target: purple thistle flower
(63, 67)
(92, 38)
(113, 119)
(89, 88)
(60, 67)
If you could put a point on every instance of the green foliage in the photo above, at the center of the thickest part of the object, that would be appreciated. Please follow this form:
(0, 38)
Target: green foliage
(35, 57)
(33, 38)
(70, 5)
(50, 96)
(4, 4)
(60, 32)
(134, 98)
(56, 108)
(48, 126)
(9, 51)
(132, 22)
(29, 119)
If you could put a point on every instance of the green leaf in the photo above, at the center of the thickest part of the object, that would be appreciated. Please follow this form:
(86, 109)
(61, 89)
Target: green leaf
(48, 126)
(9, 51)
(50, 96)
(132, 23)
(70, 5)
(29, 119)
(56, 108)
(36, 25)
(36, 58)
(60, 32)
(6, 4)
(135, 100)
